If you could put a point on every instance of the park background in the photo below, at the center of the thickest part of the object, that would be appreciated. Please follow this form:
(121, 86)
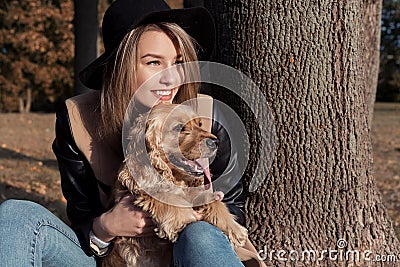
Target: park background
(37, 72)
(37, 51)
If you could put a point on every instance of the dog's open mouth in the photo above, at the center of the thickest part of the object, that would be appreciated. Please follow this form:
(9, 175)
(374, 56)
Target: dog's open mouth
(192, 167)
(196, 167)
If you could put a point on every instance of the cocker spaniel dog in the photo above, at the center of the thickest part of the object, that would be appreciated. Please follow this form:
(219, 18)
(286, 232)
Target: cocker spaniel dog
(165, 169)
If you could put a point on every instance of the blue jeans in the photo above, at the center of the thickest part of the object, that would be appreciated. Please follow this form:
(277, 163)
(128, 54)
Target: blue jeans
(30, 235)
(33, 236)
(202, 244)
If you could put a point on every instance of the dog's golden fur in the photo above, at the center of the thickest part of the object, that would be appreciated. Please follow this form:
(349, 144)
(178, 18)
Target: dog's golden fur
(161, 183)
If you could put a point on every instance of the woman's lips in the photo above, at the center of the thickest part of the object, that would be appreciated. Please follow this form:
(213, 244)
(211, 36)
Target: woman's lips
(164, 95)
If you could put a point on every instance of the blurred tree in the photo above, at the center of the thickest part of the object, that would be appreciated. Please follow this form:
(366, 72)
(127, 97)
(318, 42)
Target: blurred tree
(389, 76)
(36, 53)
(102, 7)
(86, 29)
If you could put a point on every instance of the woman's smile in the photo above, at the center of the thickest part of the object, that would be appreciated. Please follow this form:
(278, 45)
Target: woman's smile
(165, 95)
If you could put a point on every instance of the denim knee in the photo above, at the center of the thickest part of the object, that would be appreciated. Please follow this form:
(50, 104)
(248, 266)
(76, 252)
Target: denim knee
(203, 244)
(13, 209)
(201, 234)
(10, 207)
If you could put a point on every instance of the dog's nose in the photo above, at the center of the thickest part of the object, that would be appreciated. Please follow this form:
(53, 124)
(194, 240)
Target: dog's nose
(212, 143)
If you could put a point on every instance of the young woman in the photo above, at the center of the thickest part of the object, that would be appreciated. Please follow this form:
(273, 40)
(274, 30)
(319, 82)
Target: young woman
(141, 38)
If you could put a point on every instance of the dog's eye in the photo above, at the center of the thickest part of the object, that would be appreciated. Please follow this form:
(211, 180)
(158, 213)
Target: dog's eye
(178, 127)
(200, 124)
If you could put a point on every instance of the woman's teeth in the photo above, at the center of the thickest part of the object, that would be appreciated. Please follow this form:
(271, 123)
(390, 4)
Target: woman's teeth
(163, 92)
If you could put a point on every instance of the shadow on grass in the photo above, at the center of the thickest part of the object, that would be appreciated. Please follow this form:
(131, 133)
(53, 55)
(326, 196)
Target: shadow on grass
(6, 153)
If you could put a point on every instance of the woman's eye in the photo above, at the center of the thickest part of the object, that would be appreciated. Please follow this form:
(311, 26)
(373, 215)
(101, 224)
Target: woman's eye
(153, 63)
(178, 62)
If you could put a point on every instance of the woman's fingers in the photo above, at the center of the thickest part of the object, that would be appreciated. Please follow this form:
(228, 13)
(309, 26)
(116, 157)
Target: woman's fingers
(146, 231)
(126, 219)
(218, 195)
(133, 221)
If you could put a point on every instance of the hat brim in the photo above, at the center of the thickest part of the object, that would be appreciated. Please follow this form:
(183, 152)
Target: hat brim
(196, 21)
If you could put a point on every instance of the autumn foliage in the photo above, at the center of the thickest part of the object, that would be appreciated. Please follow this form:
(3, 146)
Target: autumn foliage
(36, 53)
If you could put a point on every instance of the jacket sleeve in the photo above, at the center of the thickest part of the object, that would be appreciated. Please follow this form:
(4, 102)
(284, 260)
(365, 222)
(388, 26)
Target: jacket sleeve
(225, 165)
(78, 182)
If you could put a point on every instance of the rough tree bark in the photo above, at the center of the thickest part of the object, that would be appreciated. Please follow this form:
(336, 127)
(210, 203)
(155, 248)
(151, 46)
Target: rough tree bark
(86, 30)
(317, 64)
(370, 22)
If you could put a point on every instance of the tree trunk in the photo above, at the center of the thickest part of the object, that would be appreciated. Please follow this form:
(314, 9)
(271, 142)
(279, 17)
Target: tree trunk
(316, 63)
(86, 31)
(370, 27)
(25, 103)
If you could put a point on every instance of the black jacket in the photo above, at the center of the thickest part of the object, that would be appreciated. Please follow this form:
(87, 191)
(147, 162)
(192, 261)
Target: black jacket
(80, 186)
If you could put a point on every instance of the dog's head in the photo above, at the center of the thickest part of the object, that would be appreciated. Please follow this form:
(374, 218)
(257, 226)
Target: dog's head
(174, 135)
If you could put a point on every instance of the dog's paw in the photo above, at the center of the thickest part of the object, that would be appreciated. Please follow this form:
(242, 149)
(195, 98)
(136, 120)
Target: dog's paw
(170, 228)
(237, 235)
(167, 234)
(171, 236)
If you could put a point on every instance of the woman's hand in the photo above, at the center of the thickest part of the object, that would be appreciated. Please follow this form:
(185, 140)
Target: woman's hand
(124, 219)
(219, 195)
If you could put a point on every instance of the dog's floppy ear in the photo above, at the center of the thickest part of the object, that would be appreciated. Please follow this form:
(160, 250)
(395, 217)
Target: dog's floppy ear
(155, 124)
(126, 179)
(136, 137)
(142, 154)
(153, 134)
(154, 144)
(136, 152)
(153, 138)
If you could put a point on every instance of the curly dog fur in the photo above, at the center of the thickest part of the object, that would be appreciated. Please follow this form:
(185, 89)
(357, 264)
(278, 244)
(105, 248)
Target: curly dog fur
(174, 141)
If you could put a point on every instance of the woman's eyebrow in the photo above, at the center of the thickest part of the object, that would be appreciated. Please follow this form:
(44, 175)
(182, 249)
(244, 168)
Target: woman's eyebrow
(159, 56)
(152, 55)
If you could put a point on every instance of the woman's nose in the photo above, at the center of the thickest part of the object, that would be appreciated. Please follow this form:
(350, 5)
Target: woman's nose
(171, 76)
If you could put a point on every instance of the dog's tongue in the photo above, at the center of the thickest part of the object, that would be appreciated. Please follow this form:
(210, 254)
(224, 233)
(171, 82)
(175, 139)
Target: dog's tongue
(203, 162)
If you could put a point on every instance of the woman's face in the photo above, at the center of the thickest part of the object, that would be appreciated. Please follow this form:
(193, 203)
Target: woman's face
(156, 53)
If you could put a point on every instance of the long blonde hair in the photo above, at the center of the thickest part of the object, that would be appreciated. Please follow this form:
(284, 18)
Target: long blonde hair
(119, 75)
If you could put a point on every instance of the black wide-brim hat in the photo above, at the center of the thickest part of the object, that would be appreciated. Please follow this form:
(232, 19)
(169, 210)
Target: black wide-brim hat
(124, 15)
